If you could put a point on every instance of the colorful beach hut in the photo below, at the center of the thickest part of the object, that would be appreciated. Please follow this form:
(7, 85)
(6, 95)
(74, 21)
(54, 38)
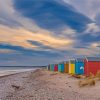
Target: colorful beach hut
(92, 65)
(48, 67)
(52, 67)
(56, 67)
(61, 67)
(66, 64)
(72, 66)
(79, 66)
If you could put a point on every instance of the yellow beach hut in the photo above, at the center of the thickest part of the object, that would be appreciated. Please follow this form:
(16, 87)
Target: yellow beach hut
(72, 66)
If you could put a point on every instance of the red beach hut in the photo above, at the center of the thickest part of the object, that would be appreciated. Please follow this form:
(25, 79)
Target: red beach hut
(56, 67)
(91, 65)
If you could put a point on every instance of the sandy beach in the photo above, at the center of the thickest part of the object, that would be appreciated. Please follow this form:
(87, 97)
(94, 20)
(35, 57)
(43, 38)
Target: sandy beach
(45, 85)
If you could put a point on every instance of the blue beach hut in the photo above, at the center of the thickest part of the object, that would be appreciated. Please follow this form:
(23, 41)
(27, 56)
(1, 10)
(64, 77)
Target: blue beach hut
(61, 67)
(79, 66)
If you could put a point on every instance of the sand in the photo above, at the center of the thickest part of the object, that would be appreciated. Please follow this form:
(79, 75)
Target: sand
(45, 85)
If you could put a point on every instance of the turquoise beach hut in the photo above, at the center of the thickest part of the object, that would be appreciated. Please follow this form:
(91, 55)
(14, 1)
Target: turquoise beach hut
(61, 67)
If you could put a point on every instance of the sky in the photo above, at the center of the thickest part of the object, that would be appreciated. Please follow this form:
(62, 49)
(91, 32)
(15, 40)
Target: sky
(39, 32)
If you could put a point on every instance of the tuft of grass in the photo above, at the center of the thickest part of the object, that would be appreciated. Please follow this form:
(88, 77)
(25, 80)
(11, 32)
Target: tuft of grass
(83, 83)
(98, 74)
(92, 82)
(91, 76)
(87, 82)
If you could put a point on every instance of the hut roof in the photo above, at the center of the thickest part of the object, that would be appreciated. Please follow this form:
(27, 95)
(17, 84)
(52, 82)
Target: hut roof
(72, 60)
(93, 58)
(79, 59)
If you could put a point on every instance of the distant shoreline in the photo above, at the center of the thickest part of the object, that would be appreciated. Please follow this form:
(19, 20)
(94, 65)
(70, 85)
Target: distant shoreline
(4, 73)
(22, 66)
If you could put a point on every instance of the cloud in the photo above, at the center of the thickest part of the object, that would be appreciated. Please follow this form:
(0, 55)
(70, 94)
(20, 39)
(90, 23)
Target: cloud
(90, 49)
(20, 37)
(86, 52)
(7, 14)
(30, 57)
(40, 32)
(28, 52)
(10, 18)
(87, 41)
(94, 45)
(47, 13)
(89, 8)
(7, 51)
(24, 60)
(93, 28)
(97, 18)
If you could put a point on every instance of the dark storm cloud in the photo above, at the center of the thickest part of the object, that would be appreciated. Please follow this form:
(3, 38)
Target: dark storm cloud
(30, 52)
(51, 15)
(86, 40)
(40, 45)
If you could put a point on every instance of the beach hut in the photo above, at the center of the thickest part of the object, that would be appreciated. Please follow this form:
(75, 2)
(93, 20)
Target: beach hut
(66, 65)
(72, 66)
(48, 67)
(52, 67)
(61, 67)
(79, 66)
(56, 67)
(92, 65)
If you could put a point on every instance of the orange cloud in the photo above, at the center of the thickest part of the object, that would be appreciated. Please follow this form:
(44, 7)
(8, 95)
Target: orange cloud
(20, 37)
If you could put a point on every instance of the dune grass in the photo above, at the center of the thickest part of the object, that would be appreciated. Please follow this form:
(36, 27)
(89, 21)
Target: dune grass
(87, 82)
(91, 80)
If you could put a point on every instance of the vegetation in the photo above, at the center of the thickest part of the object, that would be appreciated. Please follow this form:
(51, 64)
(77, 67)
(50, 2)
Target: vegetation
(90, 81)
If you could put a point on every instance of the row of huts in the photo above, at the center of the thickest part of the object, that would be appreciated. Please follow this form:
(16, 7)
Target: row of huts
(80, 66)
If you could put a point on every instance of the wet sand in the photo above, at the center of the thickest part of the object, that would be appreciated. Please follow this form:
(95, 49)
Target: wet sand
(45, 85)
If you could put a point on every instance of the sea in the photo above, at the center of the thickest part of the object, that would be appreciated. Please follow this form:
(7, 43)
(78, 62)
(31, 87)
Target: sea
(7, 70)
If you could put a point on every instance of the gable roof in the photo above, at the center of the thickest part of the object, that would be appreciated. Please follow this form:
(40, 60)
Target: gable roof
(93, 58)
(72, 60)
(66, 62)
(61, 62)
(79, 59)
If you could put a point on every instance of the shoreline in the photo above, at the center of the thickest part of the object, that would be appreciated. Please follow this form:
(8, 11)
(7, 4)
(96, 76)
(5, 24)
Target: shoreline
(10, 74)
(5, 73)
(45, 85)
